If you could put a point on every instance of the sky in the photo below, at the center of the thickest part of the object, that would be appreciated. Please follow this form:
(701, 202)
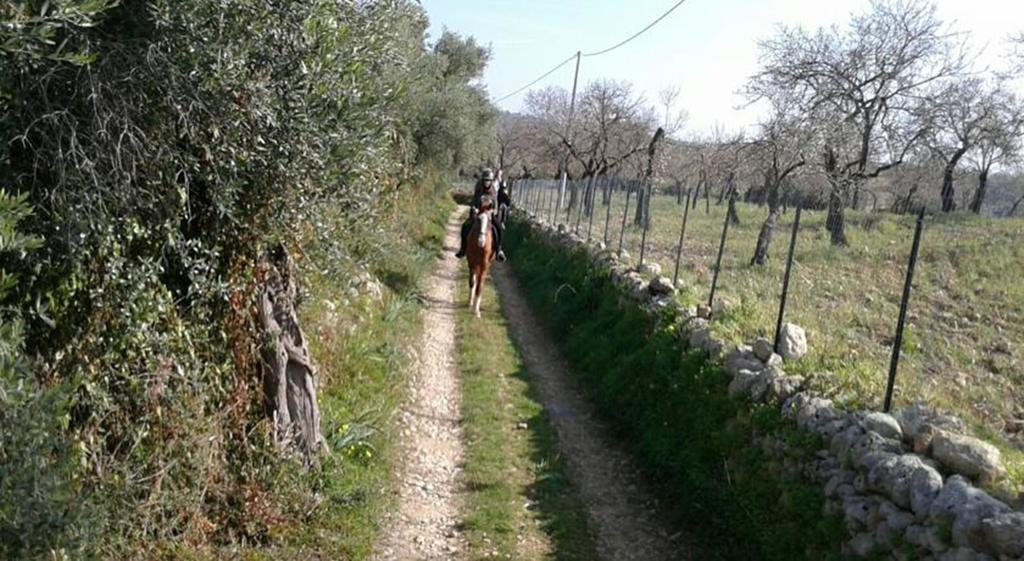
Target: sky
(708, 48)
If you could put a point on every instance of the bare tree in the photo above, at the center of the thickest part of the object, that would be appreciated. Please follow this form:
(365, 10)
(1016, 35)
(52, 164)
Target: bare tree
(674, 119)
(548, 111)
(779, 151)
(998, 140)
(1017, 53)
(907, 185)
(861, 88)
(612, 127)
(964, 113)
(1016, 204)
(524, 147)
(681, 161)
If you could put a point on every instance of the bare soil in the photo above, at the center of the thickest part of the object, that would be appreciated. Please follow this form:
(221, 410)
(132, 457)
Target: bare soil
(425, 525)
(623, 511)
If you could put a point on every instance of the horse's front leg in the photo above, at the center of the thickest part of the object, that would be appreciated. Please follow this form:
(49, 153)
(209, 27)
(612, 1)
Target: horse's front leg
(480, 290)
(472, 286)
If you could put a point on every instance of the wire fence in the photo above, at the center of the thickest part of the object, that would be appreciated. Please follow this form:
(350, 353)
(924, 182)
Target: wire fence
(865, 311)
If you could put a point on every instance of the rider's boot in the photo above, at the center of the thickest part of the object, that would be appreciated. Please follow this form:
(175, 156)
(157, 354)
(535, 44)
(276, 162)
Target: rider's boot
(501, 255)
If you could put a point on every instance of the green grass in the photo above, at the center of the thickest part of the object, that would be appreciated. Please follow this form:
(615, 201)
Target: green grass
(360, 347)
(673, 410)
(506, 466)
(964, 339)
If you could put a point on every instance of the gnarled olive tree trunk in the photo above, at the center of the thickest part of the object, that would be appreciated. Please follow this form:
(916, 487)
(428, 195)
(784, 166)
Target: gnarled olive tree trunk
(764, 238)
(979, 194)
(289, 377)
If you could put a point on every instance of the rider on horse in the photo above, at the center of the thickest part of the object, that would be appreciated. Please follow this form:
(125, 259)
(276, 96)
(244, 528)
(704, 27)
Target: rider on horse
(485, 186)
(504, 199)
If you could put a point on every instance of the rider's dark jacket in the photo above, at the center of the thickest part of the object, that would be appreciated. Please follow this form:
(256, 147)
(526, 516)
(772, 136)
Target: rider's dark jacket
(503, 196)
(481, 190)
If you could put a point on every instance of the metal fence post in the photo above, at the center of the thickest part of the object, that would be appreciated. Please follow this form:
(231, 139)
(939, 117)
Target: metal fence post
(682, 232)
(785, 280)
(545, 203)
(894, 363)
(538, 196)
(568, 206)
(718, 261)
(608, 209)
(556, 204)
(648, 193)
(625, 212)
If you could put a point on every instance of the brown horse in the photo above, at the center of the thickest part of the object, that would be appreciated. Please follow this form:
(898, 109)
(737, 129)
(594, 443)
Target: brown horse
(479, 253)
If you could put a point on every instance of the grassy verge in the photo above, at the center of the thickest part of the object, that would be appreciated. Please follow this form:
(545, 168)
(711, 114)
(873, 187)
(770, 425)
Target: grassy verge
(360, 346)
(673, 409)
(520, 504)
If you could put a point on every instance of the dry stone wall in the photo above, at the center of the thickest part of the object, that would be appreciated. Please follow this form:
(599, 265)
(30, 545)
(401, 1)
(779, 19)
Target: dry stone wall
(906, 484)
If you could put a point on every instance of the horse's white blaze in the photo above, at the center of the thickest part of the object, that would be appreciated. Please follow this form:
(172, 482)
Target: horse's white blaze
(482, 237)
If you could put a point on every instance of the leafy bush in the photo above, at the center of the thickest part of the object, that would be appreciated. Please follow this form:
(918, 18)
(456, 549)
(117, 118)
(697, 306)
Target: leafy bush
(165, 147)
(38, 494)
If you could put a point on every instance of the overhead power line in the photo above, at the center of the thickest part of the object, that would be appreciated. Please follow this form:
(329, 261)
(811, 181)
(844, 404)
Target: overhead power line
(638, 33)
(596, 53)
(542, 76)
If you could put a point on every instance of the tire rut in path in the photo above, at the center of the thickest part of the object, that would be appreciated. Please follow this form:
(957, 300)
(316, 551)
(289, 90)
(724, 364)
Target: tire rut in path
(424, 525)
(623, 512)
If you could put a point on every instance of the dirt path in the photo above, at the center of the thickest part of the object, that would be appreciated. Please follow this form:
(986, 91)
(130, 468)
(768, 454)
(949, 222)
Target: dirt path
(623, 512)
(425, 524)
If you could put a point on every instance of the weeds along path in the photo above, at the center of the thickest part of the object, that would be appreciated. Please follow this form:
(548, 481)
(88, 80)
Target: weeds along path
(623, 512)
(424, 524)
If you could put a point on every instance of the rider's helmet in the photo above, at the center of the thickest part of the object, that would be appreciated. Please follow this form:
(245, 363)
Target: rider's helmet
(487, 174)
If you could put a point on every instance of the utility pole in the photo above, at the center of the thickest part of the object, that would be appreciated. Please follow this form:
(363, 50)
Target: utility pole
(568, 130)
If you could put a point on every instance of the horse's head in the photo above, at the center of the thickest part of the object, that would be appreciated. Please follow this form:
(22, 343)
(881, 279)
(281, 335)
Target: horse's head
(484, 218)
(486, 203)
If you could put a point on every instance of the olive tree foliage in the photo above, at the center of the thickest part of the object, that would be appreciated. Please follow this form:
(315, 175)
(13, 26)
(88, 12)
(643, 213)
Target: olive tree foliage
(453, 121)
(172, 152)
(862, 88)
(34, 31)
